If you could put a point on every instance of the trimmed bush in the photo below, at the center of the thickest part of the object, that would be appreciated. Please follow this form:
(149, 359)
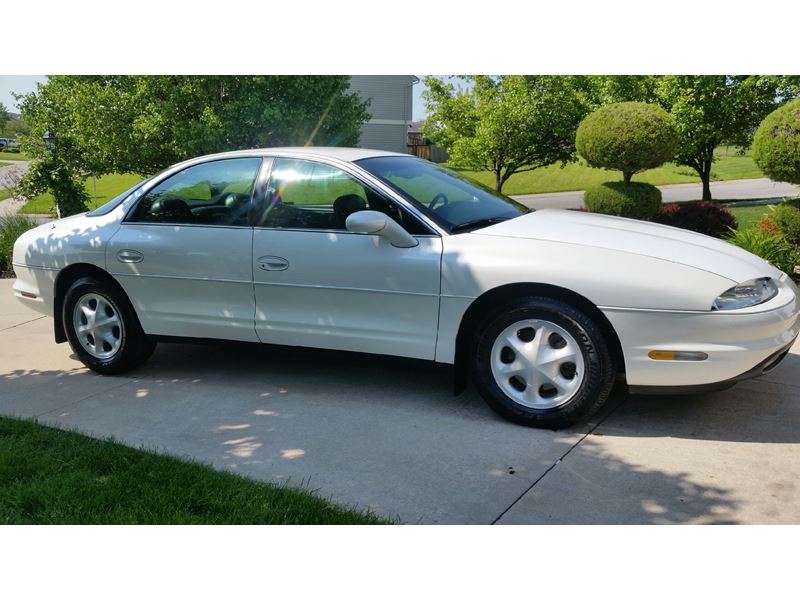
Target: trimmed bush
(11, 228)
(632, 200)
(787, 218)
(703, 217)
(628, 137)
(773, 248)
(776, 145)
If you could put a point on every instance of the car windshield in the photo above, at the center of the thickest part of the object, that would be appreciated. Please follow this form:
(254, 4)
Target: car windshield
(454, 201)
(115, 201)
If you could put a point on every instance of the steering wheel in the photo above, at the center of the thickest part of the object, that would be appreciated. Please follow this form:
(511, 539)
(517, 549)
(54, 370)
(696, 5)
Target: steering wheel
(440, 196)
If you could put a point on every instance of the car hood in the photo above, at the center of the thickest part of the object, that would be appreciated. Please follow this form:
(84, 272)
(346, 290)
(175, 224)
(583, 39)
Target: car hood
(636, 237)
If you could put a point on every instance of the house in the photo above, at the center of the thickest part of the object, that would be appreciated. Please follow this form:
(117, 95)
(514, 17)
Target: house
(390, 107)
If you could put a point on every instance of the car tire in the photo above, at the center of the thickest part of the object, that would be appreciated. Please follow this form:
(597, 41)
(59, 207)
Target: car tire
(102, 327)
(541, 362)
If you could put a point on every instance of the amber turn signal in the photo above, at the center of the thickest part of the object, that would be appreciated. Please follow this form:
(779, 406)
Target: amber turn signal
(676, 355)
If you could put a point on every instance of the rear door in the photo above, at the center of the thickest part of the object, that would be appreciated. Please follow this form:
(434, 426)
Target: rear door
(184, 254)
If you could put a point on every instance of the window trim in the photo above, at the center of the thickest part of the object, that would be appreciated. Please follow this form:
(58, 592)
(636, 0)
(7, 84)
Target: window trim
(360, 179)
(126, 220)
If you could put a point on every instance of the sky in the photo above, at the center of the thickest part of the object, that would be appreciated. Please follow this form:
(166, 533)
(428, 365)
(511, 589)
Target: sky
(22, 84)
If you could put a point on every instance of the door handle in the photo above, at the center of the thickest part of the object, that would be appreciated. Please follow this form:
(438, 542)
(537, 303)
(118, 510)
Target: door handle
(272, 263)
(130, 256)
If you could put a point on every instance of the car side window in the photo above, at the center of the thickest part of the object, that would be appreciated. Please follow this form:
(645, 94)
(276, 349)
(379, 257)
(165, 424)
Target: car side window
(212, 193)
(304, 194)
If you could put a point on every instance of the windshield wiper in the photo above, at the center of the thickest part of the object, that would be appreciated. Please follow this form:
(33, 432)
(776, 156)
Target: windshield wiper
(477, 224)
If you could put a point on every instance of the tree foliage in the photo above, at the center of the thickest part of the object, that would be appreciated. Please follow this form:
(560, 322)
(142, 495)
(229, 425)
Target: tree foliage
(51, 174)
(4, 117)
(628, 137)
(142, 124)
(710, 110)
(608, 89)
(776, 145)
(506, 124)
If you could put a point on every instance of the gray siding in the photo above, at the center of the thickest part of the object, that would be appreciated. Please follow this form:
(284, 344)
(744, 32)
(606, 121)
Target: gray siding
(384, 137)
(390, 108)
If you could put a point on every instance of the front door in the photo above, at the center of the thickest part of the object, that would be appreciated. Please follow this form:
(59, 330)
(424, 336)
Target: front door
(318, 285)
(184, 254)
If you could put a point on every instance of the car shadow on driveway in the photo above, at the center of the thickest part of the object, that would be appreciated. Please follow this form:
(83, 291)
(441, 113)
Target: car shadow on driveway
(387, 433)
(765, 409)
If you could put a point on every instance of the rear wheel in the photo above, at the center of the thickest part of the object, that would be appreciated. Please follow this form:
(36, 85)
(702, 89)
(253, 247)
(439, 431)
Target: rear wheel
(103, 329)
(541, 362)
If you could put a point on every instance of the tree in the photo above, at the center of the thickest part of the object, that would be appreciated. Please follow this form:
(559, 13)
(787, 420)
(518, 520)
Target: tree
(4, 117)
(776, 145)
(710, 110)
(628, 137)
(506, 124)
(142, 124)
(16, 128)
(608, 89)
(53, 175)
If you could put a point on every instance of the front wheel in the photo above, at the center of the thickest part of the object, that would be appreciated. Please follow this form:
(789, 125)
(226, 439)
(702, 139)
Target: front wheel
(103, 329)
(541, 362)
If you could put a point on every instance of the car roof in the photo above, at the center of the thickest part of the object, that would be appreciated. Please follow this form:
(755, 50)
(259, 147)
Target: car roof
(345, 154)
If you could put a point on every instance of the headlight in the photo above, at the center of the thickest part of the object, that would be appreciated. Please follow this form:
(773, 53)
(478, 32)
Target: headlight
(746, 294)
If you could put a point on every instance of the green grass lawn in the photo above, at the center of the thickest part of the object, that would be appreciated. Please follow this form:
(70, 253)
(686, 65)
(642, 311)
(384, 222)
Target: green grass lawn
(50, 476)
(579, 176)
(4, 194)
(748, 215)
(13, 156)
(4, 164)
(108, 186)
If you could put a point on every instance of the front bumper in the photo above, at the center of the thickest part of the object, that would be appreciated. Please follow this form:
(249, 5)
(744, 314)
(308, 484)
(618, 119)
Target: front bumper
(765, 366)
(736, 342)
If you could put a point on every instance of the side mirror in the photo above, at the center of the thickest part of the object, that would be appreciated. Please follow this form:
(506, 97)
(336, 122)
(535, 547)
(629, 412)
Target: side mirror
(372, 221)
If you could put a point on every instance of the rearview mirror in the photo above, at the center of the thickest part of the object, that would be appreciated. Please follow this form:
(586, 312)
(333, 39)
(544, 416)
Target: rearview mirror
(372, 221)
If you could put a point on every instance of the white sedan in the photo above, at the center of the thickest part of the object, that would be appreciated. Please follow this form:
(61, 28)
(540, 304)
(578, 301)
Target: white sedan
(370, 251)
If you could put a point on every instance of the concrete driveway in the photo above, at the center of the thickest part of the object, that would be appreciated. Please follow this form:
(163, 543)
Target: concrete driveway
(387, 434)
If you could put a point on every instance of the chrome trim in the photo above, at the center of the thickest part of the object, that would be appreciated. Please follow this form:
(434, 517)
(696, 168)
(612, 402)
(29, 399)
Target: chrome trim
(343, 288)
(336, 231)
(181, 277)
(195, 225)
(24, 266)
(732, 313)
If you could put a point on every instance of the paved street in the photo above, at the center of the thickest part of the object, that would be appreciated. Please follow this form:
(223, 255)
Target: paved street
(387, 434)
(743, 189)
(11, 206)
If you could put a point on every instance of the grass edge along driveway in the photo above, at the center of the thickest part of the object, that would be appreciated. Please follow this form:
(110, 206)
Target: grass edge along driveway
(53, 476)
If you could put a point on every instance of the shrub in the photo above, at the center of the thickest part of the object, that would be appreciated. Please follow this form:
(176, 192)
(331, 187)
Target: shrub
(768, 225)
(787, 218)
(633, 200)
(628, 137)
(702, 217)
(770, 247)
(776, 145)
(11, 228)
